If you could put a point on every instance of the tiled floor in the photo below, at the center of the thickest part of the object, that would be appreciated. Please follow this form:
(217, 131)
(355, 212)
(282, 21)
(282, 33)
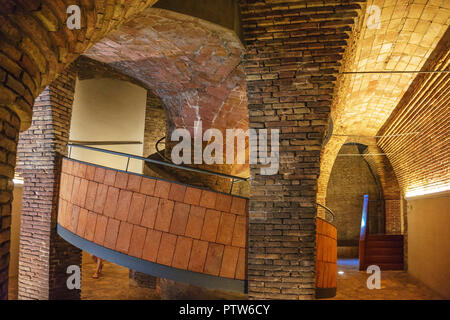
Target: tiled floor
(113, 283)
(395, 285)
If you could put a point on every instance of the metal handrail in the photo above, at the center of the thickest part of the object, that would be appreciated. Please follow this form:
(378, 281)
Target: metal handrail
(163, 163)
(326, 209)
(159, 151)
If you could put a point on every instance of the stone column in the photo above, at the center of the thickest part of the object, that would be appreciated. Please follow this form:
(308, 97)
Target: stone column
(44, 256)
(291, 66)
(9, 131)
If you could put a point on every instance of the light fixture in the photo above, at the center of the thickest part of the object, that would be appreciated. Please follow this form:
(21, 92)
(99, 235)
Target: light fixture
(17, 181)
(340, 272)
(426, 191)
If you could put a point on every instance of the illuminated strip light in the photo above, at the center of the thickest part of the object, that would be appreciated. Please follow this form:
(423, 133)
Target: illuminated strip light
(18, 181)
(427, 191)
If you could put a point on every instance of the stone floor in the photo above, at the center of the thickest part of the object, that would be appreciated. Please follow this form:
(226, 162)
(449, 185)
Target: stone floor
(113, 283)
(395, 285)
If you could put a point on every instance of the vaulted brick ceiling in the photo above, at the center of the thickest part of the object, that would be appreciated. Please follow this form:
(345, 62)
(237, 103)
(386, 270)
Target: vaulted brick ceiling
(409, 31)
(193, 65)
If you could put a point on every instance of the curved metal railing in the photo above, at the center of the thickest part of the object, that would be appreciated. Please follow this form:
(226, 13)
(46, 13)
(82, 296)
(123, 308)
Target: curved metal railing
(326, 209)
(158, 151)
(158, 162)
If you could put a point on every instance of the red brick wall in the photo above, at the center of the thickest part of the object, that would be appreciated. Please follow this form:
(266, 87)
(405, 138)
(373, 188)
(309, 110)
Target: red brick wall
(155, 220)
(35, 46)
(293, 54)
(9, 132)
(44, 256)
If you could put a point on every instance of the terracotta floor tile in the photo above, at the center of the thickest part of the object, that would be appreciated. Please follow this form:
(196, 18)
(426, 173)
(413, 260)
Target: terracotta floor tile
(124, 237)
(179, 218)
(123, 205)
(182, 253)
(164, 215)
(166, 249)
(195, 222)
(240, 232)
(90, 195)
(90, 226)
(226, 228)
(137, 241)
(241, 265)
(121, 180)
(148, 186)
(74, 219)
(162, 189)
(112, 198)
(192, 196)
(136, 208)
(150, 211)
(214, 259)
(198, 255)
(90, 172)
(82, 220)
(177, 192)
(110, 177)
(99, 174)
(134, 183)
(112, 231)
(239, 206)
(229, 262)
(151, 245)
(223, 202)
(100, 230)
(100, 198)
(210, 225)
(208, 199)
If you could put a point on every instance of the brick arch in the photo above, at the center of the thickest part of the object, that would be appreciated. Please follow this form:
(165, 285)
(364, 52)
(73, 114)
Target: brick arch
(192, 64)
(35, 47)
(379, 164)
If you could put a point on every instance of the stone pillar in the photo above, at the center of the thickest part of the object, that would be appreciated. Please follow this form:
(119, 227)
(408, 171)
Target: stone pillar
(44, 256)
(9, 131)
(291, 64)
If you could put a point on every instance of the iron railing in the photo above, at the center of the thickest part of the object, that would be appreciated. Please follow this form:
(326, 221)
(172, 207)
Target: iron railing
(327, 210)
(234, 179)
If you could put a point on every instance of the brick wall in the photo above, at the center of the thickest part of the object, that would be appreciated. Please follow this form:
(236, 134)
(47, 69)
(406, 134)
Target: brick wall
(151, 219)
(349, 181)
(44, 256)
(294, 49)
(35, 46)
(155, 123)
(9, 132)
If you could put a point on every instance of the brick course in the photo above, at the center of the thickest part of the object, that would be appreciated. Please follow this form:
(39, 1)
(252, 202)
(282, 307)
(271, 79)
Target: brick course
(9, 132)
(44, 256)
(294, 50)
(169, 232)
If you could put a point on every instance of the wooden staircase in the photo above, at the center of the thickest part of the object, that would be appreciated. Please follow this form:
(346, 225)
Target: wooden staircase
(383, 250)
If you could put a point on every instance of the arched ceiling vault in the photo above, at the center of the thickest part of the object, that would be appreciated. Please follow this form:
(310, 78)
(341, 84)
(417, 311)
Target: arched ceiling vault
(192, 64)
(409, 32)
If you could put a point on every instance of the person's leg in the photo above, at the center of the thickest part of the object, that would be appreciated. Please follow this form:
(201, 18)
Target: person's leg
(99, 268)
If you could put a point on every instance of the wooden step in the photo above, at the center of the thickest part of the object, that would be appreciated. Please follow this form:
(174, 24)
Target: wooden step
(389, 251)
(384, 237)
(386, 266)
(384, 259)
(384, 244)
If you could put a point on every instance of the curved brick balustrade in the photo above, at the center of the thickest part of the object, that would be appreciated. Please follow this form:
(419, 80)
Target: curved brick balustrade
(155, 226)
